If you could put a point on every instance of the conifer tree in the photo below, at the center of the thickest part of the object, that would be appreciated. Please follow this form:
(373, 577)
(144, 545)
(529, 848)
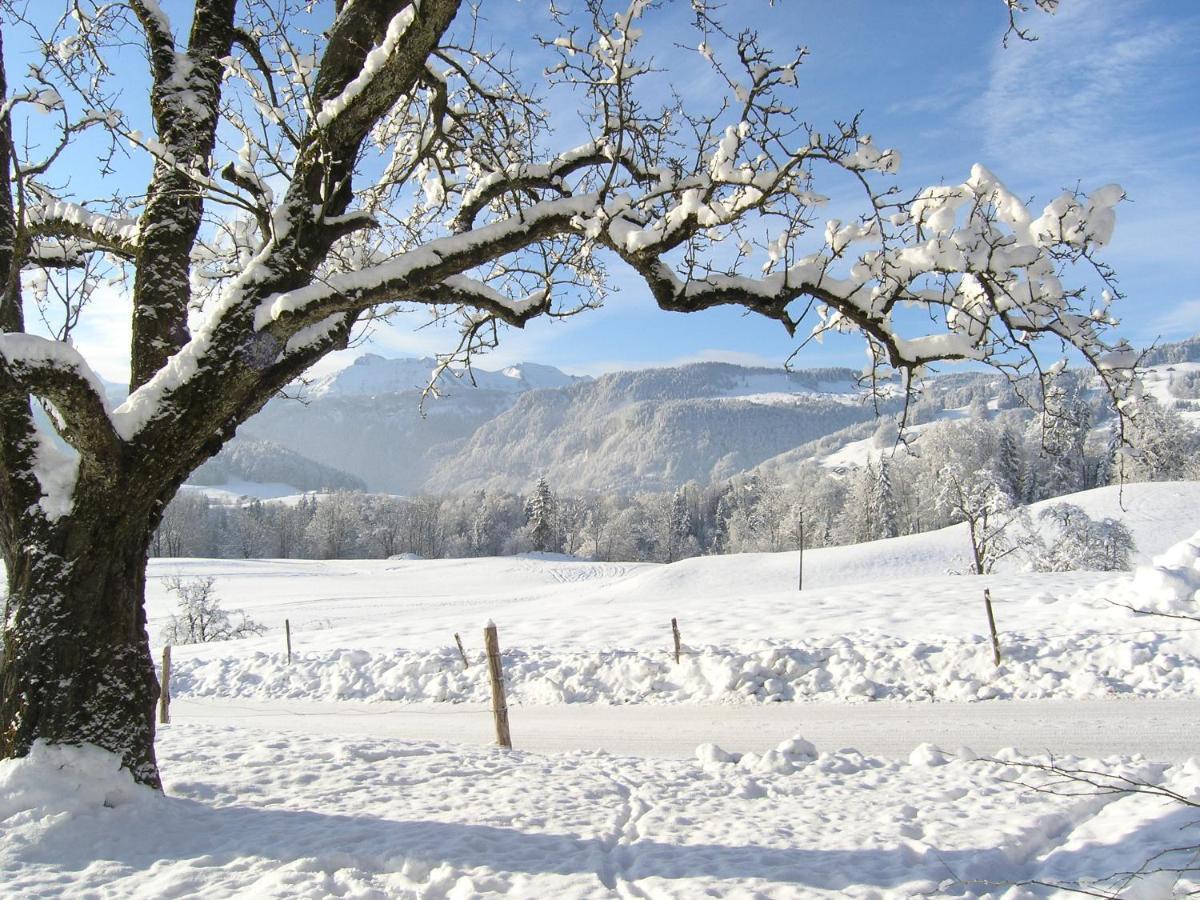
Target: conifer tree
(884, 515)
(540, 510)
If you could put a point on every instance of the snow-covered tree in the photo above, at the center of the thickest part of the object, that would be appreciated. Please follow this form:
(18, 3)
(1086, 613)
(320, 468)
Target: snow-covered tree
(541, 512)
(307, 166)
(200, 618)
(674, 527)
(1163, 446)
(1076, 541)
(1010, 464)
(856, 521)
(1065, 423)
(884, 515)
(333, 531)
(184, 527)
(995, 527)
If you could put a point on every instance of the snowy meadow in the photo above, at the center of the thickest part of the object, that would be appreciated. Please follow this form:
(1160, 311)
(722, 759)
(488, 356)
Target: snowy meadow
(649, 617)
(364, 768)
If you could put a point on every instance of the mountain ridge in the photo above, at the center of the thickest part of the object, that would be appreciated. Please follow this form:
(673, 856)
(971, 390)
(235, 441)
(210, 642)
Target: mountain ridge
(637, 430)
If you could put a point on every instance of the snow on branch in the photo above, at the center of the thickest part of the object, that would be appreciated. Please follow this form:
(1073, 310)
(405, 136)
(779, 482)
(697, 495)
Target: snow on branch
(420, 272)
(374, 61)
(60, 219)
(58, 373)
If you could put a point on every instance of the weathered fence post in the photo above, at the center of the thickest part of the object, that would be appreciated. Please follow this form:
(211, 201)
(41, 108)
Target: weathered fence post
(987, 601)
(675, 634)
(461, 651)
(800, 578)
(287, 630)
(496, 674)
(164, 696)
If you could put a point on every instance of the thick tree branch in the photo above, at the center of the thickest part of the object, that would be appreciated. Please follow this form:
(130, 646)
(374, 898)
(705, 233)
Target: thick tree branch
(422, 272)
(184, 101)
(160, 42)
(56, 372)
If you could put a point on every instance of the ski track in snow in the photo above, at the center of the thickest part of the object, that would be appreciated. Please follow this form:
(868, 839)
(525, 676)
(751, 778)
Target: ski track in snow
(589, 572)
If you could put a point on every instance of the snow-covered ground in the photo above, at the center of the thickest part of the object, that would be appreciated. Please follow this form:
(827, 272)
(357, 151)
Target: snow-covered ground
(1157, 383)
(282, 782)
(264, 816)
(874, 621)
(1160, 729)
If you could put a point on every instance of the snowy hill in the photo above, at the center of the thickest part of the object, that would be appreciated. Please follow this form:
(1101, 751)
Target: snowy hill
(879, 620)
(371, 375)
(246, 463)
(654, 429)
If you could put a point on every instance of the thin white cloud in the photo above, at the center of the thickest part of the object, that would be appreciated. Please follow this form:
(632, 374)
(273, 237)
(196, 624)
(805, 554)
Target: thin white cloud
(1182, 320)
(1069, 103)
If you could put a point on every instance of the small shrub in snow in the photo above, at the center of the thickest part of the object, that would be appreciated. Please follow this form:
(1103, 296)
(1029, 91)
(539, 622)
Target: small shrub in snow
(200, 618)
(1076, 541)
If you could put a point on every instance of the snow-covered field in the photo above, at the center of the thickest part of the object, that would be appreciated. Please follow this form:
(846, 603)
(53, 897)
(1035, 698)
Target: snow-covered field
(874, 621)
(281, 782)
(257, 816)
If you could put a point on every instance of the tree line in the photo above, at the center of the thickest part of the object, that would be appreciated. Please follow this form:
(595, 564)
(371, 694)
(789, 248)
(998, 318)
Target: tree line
(988, 463)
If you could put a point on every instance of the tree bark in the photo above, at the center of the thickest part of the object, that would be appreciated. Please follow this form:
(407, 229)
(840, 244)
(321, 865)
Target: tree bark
(76, 663)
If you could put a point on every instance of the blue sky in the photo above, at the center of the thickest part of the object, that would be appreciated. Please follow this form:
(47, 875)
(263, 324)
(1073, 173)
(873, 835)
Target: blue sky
(1107, 93)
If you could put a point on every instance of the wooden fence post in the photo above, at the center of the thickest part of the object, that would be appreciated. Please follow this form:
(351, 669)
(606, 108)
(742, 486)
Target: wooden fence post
(496, 674)
(287, 630)
(987, 601)
(800, 577)
(461, 651)
(675, 634)
(164, 694)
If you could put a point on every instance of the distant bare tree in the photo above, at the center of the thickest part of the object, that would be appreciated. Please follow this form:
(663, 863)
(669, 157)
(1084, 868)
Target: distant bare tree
(200, 618)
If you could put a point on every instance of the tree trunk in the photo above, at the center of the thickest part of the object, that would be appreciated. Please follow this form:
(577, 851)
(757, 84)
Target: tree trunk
(76, 664)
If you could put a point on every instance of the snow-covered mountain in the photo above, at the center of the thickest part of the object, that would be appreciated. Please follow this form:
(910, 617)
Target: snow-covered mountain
(627, 431)
(367, 418)
(652, 429)
(371, 375)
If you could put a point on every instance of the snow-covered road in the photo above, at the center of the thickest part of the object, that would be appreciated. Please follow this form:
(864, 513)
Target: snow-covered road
(1160, 729)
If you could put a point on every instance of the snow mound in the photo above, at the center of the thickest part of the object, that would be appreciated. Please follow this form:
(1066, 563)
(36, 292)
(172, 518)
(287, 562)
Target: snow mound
(57, 780)
(857, 667)
(796, 753)
(1171, 583)
(928, 755)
